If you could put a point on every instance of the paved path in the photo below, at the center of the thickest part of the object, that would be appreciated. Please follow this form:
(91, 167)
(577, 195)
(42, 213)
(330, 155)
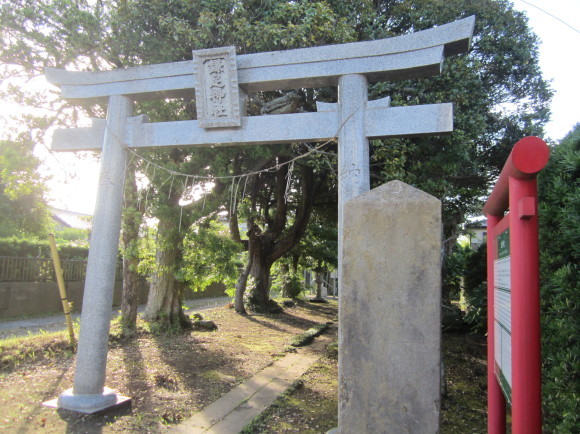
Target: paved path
(57, 322)
(230, 413)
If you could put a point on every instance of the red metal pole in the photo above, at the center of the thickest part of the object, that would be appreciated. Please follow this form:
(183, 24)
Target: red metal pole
(525, 287)
(529, 155)
(496, 421)
(525, 301)
(516, 190)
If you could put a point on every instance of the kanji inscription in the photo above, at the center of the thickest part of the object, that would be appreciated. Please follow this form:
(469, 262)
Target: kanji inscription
(217, 95)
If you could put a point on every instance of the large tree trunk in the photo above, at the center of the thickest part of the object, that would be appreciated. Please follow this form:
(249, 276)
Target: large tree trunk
(165, 293)
(132, 216)
(260, 272)
(267, 246)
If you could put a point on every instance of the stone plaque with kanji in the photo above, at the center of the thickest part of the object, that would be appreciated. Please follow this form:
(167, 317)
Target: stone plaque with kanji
(216, 88)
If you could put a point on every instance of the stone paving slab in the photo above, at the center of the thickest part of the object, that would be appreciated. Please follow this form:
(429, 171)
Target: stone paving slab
(230, 413)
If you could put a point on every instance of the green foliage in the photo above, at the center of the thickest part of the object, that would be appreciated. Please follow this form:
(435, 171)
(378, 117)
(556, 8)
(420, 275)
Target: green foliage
(474, 288)
(286, 282)
(79, 236)
(308, 336)
(332, 350)
(146, 252)
(498, 97)
(455, 270)
(319, 246)
(317, 249)
(23, 209)
(27, 248)
(210, 256)
(294, 286)
(559, 219)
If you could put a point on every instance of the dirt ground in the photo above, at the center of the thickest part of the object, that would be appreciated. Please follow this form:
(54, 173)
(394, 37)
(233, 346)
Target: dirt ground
(172, 376)
(312, 406)
(169, 377)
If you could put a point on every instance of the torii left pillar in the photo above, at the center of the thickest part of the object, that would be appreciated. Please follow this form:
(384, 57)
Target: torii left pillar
(89, 394)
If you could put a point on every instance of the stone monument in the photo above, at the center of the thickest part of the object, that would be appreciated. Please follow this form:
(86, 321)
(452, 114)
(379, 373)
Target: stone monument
(390, 322)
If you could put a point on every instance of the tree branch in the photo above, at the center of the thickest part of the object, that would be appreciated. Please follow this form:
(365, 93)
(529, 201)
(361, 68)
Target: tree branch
(292, 236)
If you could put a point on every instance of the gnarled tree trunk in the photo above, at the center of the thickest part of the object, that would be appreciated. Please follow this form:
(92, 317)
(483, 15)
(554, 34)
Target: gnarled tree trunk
(277, 239)
(260, 272)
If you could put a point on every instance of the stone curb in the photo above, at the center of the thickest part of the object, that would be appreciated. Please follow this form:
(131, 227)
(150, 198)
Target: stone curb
(230, 413)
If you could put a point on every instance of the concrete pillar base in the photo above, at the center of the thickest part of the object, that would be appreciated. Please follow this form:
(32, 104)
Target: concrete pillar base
(88, 404)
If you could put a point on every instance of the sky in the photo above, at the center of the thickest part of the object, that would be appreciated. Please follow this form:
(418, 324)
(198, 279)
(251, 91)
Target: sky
(559, 57)
(75, 178)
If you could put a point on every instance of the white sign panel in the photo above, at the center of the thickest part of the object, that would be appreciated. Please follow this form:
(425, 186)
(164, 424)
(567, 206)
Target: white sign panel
(502, 314)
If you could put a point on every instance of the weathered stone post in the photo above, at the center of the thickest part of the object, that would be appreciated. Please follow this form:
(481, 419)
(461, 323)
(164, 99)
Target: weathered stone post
(88, 394)
(390, 338)
(353, 148)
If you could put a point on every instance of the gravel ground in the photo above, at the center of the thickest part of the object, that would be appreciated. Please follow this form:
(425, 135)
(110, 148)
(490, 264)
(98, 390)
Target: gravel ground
(55, 323)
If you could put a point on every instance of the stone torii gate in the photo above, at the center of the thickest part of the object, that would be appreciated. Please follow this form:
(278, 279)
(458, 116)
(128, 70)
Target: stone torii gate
(221, 81)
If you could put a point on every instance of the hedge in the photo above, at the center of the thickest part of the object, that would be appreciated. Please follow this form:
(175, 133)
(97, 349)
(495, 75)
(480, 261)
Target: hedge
(26, 248)
(559, 218)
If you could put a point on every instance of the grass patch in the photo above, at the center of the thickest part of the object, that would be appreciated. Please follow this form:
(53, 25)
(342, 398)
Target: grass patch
(309, 405)
(308, 336)
(258, 423)
(42, 345)
(211, 375)
(20, 349)
(332, 350)
(464, 409)
(262, 347)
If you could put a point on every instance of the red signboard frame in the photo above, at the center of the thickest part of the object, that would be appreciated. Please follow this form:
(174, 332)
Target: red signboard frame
(516, 191)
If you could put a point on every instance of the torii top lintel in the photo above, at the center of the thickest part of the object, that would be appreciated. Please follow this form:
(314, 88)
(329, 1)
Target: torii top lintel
(413, 55)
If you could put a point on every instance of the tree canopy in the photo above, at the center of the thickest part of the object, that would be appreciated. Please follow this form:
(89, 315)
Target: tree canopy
(497, 89)
(23, 208)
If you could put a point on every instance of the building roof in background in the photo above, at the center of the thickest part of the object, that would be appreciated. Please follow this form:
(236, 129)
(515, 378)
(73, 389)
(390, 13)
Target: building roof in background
(72, 219)
(477, 223)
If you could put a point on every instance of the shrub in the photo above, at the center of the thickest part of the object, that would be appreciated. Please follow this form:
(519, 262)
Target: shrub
(454, 270)
(559, 205)
(288, 284)
(29, 248)
(475, 288)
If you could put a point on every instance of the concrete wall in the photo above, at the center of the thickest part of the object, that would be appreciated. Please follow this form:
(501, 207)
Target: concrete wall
(18, 299)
